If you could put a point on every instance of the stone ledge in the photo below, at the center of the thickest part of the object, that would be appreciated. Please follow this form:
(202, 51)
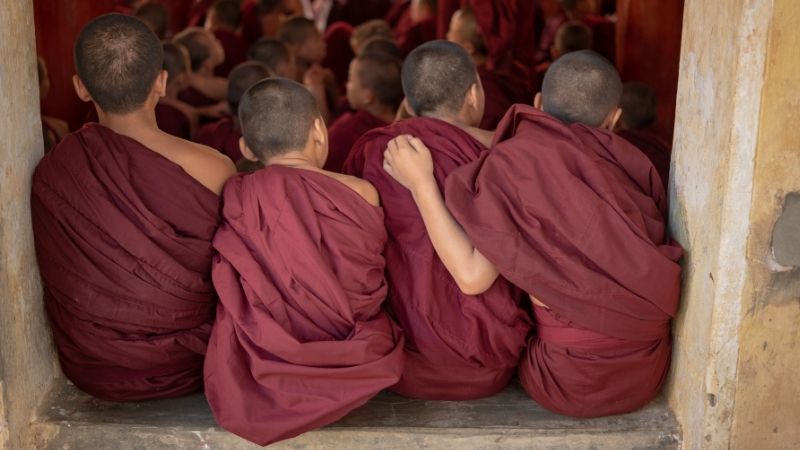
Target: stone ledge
(70, 419)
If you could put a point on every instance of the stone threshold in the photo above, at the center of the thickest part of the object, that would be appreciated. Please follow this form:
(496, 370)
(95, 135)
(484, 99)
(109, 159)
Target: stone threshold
(71, 419)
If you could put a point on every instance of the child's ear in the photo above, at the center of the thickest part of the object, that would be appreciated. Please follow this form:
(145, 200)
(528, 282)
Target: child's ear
(246, 152)
(613, 119)
(80, 89)
(160, 86)
(537, 101)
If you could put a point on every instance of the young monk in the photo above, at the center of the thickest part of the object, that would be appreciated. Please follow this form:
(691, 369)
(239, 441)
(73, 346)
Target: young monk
(380, 45)
(262, 18)
(155, 16)
(417, 26)
(372, 29)
(639, 114)
(205, 53)
(575, 216)
(223, 20)
(603, 30)
(502, 90)
(123, 216)
(300, 338)
(460, 346)
(374, 92)
(224, 134)
(172, 115)
(275, 54)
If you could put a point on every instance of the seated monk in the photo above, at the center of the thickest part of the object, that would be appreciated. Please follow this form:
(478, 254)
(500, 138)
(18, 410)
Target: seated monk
(156, 16)
(275, 54)
(223, 20)
(381, 45)
(604, 31)
(502, 90)
(571, 37)
(205, 53)
(459, 346)
(552, 18)
(123, 217)
(338, 52)
(172, 115)
(374, 92)
(224, 134)
(639, 115)
(575, 216)
(53, 129)
(300, 338)
(417, 26)
(262, 18)
(375, 28)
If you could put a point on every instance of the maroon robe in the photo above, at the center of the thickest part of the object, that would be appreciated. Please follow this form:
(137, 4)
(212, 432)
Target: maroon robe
(300, 338)
(458, 346)
(198, 11)
(195, 97)
(222, 135)
(655, 148)
(604, 36)
(235, 52)
(339, 54)
(356, 12)
(251, 22)
(501, 91)
(173, 121)
(123, 241)
(344, 132)
(409, 35)
(575, 216)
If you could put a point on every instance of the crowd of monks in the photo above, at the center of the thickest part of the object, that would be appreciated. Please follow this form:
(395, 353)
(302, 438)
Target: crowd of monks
(432, 197)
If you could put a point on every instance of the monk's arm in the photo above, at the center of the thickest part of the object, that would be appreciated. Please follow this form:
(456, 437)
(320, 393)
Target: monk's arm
(408, 161)
(214, 87)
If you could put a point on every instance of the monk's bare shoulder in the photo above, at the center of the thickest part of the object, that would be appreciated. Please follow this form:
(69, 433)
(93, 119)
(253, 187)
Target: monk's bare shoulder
(362, 187)
(208, 166)
(485, 137)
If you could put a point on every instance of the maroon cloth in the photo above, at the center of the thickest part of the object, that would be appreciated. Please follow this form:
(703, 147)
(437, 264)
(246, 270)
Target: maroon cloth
(444, 12)
(300, 338)
(356, 12)
(195, 98)
(604, 36)
(575, 216)
(173, 121)
(409, 35)
(655, 148)
(222, 135)
(251, 23)
(458, 346)
(339, 54)
(344, 132)
(123, 241)
(198, 11)
(497, 21)
(501, 91)
(398, 12)
(235, 52)
(547, 38)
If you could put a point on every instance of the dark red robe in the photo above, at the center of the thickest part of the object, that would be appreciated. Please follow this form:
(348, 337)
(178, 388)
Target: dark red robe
(300, 338)
(458, 346)
(173, 121)
(235, 52)
(339, 54)
(198, 11)
(251, 22)
(501, 91)
(356, 12)
(655, 148)
(344, 132)
(409, 35)
(604, 36)
(123, 241)
(575, 216)
(195, 97)
(222, 135)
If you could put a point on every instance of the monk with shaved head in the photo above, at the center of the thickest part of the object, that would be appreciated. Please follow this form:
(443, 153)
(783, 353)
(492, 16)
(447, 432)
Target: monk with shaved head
(123, 216)
(461, 345)
(300, 338)
(575, 216)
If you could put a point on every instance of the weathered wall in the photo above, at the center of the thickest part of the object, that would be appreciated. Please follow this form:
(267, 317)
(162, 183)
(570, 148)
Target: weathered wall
(767, 413)
(27, 364)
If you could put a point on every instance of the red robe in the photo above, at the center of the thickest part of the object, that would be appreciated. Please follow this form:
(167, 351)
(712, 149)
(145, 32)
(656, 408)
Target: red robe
(235, 52)
(198, 11)
(339, 54)
(195, 97)
(655, 148)
(173, 121)
(501, 91)
(300, 338)
(222, 135)
(251, 22)
(458, 346)
(575, 216)
(344, 132)
(409, 35)
(123, 241)
(604, 36)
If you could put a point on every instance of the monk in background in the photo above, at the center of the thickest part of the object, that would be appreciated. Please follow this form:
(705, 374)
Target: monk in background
(571, 37)
(156, 16)
(300, 338)
(374, 92)
(172, 115)
(123, 216)
(639, 115)
(575, 216)
(275, 54)
(225, 134)
(376, 28)
(416, 26)
(603, 30)
(205, 53)
(223, 20)
(464, 340)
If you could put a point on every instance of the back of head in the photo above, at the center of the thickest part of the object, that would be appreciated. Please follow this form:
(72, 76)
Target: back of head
(469, 31)
(639, 105)
(176, 60)
(226, 12)
(381, 45)
(155, 15)
(269, 51)
(276, 116)
(436, 78)
(270, 6)
(241, 78)
(380, 73)
(371, 29)
(118, 59)
(196, 42)
(572, 37)
(581, 87)
(297, 30)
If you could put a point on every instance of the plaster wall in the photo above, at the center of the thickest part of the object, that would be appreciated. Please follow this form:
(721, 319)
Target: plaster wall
(27, 362)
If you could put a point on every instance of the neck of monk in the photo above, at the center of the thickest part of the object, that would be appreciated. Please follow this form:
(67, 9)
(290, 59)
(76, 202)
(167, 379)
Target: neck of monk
(385, 113)
(483, 136)
(300, 159)
(133, 124)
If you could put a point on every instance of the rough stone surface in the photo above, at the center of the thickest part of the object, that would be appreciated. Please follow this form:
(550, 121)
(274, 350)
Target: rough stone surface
(27, 364)
(509, 420)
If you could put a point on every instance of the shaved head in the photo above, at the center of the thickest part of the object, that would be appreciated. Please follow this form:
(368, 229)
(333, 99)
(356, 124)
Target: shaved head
(276, 116)
(176, 60)
(381, 45)
(639, 105)
(436, 78)
(297, 30)
(380, 73)
(371, 29)
(270, 51)
(572, 37)
(199, 43)
(118, 59)
(465, 24)
(581, 87)
(155, 15)
(241, 78)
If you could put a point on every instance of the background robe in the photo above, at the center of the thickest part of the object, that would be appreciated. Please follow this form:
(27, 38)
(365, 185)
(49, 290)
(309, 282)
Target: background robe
(123, 241)
(575, 216)
(655, 148)
(458, 346)
(222, 135)
(300, 339)
(235, 51)
(344, 132)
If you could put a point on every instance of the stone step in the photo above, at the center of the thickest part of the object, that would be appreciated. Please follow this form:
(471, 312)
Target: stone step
(70, 419)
